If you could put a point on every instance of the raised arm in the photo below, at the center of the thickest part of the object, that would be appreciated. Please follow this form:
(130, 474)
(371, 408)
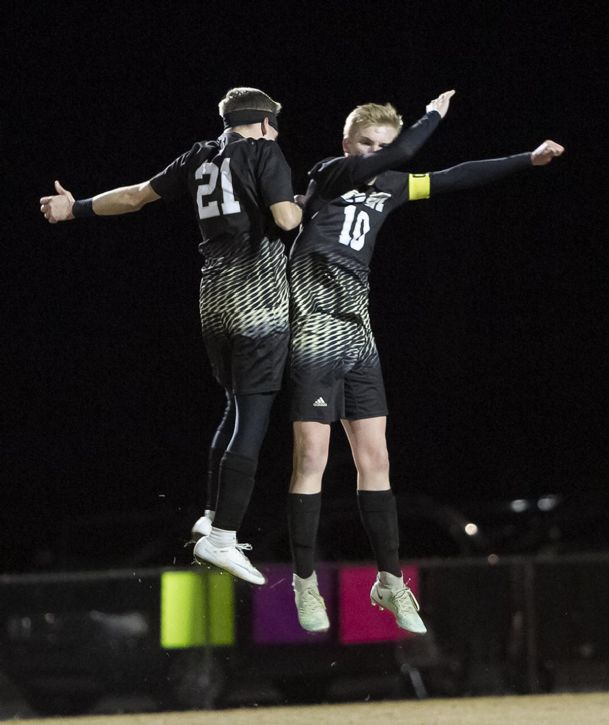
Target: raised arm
(405, 146)
(123, 200)
(478, 173)
(346, 173)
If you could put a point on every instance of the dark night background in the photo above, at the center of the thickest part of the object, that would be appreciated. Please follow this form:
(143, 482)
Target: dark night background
(490, 307)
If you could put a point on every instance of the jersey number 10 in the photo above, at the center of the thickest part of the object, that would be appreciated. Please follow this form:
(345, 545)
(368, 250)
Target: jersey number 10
(228, 203)
(355, 228)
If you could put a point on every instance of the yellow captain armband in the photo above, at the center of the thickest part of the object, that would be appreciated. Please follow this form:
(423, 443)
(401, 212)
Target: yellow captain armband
(418, 186)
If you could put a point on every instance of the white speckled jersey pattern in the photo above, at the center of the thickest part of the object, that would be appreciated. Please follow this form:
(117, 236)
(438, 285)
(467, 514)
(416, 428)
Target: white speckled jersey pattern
(244, 311)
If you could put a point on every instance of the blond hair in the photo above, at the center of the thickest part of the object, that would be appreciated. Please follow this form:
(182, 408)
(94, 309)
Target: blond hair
(372, 114)
(251, 99)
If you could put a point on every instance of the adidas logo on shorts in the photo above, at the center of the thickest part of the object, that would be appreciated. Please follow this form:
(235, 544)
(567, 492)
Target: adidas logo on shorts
(320, 403)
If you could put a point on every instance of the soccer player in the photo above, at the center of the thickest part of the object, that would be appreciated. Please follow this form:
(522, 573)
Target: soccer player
(335, 372)
(242, 193)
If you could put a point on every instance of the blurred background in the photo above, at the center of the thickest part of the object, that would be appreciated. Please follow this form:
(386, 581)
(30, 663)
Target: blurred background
(490, 306)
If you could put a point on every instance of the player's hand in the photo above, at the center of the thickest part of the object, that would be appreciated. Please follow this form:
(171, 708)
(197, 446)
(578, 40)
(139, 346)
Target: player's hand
(57, 208)
(441, 103)
(544, 153)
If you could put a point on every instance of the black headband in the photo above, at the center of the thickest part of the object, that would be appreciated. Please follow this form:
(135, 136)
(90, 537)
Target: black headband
(247, 116)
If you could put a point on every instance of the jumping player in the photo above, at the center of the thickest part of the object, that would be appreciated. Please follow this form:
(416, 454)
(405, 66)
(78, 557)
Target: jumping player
(335, 371)
(242, 192)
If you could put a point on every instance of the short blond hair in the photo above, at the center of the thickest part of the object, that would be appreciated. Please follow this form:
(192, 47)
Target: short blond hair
(251, 99)
(372, 114)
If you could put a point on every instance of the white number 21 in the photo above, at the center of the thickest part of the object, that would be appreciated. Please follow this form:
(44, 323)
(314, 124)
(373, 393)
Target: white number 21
(229, 204)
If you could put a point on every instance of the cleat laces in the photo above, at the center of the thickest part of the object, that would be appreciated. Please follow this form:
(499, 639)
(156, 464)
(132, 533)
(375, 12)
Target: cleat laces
(311, 602)
(405, 600)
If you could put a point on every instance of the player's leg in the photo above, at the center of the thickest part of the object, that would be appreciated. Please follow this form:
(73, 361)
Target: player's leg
(219, 444)
(316, 400)
(378, 512)
(365, 424)
(311, 443)
(310, 455)
(236, 484)
(375, 498)
(247, 349)
(240, 461)
(218, 348)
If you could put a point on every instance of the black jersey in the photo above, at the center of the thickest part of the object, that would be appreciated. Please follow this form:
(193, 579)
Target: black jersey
(329, 261)
(343, 214)
(330, 258)
(233, 181)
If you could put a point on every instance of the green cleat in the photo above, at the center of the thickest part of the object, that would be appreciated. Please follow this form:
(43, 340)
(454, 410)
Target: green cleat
(310, 605)
(389, 592)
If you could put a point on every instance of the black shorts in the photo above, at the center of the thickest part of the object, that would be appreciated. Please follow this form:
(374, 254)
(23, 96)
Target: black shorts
(247, 365)
(245, 319)
(340, 380)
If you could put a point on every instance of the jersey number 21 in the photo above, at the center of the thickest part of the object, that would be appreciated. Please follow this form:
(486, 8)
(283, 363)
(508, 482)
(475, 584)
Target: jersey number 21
(228, 203)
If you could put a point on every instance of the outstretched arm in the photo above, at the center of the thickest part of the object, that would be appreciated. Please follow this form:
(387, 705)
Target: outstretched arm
(346, 173)
(478, 173)
(123, 200)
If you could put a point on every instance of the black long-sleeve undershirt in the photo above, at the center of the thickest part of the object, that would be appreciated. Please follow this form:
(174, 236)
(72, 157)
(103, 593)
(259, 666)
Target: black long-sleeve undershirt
(476, 173)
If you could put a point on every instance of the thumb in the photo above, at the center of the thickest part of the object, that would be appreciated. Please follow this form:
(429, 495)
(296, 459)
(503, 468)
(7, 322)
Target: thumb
(59, 188)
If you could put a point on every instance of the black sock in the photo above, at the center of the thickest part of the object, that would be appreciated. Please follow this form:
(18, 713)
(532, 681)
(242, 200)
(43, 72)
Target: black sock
(236, 484)
(303, 522)
(379, 516)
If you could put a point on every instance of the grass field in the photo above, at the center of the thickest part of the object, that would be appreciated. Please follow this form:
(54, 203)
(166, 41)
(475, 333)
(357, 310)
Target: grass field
(579, 709)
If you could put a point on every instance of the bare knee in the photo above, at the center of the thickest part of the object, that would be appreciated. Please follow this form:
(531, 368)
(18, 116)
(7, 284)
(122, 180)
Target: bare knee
(311, 442)
(369, 449)
(310, 456)
(372, 461)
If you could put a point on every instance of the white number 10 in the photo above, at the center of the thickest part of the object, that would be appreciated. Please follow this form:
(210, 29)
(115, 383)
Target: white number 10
(229, 204)
(354, 233)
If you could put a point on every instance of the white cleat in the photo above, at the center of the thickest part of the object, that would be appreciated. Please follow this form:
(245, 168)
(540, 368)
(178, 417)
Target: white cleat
(229, 558)
(310, 605)
(389, 592)
(201, 527)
